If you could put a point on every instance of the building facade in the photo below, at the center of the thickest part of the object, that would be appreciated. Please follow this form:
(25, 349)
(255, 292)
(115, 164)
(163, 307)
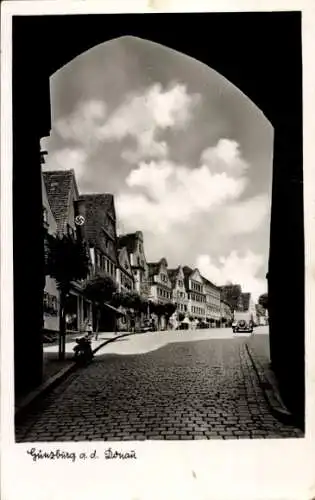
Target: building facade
(62, 195)
(51, 293)
(160, 284)
(133, 242)
(179, 295)
(99, 231)
(194, 286)
(247, 304)
(213, 303)
(226, 314)
(124, 276)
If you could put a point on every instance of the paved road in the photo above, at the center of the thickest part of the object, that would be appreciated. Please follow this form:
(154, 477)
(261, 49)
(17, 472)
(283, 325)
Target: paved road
(162, 385)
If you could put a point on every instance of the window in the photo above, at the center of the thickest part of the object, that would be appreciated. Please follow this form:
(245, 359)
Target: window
(45, 215)
(98, 259)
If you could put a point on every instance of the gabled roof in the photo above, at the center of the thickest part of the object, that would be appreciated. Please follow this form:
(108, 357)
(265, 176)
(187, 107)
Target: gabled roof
(172, 274)
(209, 283)
(99, 211)
(96, 208)
(103, 201)
(154, 267)
(52, 224)
(59, 184)
(187, 272)
(130, 240)
(121, 252)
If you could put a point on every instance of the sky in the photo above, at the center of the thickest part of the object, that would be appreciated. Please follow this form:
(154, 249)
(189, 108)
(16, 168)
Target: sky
(187, 155)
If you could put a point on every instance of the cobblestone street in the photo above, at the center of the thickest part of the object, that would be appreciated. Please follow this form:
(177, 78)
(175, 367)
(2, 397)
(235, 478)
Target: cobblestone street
(164, 385)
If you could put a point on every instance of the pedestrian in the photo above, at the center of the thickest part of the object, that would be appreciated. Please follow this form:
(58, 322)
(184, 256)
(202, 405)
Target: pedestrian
(89, 329)
(132, 325)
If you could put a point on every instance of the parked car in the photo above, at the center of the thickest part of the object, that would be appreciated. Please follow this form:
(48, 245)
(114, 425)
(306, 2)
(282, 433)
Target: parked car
(147, 327)
(242, 322)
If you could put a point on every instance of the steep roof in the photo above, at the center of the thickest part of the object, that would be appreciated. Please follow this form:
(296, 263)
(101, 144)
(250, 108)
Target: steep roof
(153, 268)
(129, 241)
(120, 254)
(187, 272)
(59, 184)
(209, 283)
(172, 274)
(99, 213)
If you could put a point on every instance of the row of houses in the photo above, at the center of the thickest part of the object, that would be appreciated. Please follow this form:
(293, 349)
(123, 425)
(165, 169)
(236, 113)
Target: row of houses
(122, 257)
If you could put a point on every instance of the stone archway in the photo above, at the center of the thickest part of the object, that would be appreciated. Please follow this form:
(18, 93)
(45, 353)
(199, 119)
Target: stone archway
(272, 80)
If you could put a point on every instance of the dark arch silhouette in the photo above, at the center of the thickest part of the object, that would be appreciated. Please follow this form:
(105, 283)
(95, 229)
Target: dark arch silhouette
(260, 53)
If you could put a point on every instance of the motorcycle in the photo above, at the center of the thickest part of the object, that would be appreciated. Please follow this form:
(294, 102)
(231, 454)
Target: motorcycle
(83, 351)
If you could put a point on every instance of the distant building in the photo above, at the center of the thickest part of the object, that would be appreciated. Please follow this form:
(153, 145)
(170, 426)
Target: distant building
(160, 283)
(124, 276)
(226, 314)
(261, 314)
(247, 304)
(133, 242)
(194, 286)
(213, 303)
(179, 295)
(231, 293)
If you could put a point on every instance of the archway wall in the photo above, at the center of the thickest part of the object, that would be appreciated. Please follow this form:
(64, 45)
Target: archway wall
(271, 78)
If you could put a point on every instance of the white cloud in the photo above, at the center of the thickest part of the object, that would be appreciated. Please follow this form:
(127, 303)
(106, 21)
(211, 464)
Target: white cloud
(67, 159)
(140, 116)
(246, 216)
(162, 194)
(235, 268)
(143, 116)
(83, 124)
(225, 156)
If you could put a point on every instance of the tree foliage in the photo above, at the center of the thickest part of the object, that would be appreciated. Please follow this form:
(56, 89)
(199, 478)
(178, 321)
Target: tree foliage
(263, 300)
(100, 289)
(130, 301)
(181, 316)
(66, 261)
(169, 309)
(231, 294)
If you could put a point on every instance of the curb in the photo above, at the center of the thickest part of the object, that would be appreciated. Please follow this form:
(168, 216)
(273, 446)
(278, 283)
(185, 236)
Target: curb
(55, 380)
(270, 389)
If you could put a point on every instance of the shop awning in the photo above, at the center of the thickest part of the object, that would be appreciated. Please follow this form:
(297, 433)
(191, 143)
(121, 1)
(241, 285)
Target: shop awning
(117, 311)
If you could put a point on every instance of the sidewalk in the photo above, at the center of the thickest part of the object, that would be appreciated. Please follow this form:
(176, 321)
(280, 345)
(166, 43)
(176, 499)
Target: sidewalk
(54, 370)
(259, 353)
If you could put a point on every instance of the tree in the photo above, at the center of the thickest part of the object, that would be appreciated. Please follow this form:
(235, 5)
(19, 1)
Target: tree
(231, 294)
(169, 309)
(66, 261)
(263, 300)
(100, 289)
(181, 316)
(159, 310)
